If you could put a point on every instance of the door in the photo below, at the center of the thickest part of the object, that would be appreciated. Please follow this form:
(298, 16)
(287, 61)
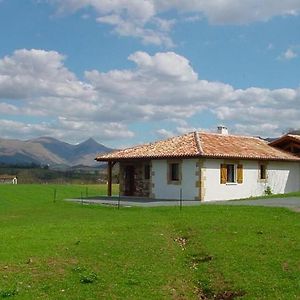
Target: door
(129, 181)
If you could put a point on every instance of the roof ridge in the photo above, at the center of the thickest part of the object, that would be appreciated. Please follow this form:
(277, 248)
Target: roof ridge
(234, 135)
(198, 142)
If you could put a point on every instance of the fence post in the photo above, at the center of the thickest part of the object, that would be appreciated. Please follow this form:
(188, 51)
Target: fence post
(119, 200)
(86, 192)
(180, 199)
(54, 196)
(81, 198)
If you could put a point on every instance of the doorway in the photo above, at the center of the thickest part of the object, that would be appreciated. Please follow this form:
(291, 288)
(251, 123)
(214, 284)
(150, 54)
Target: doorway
(129, 187)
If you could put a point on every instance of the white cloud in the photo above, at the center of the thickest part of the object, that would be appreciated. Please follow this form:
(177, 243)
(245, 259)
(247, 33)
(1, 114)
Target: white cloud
(164, 65)
(41, 86)
(164, 134)
(138, 30)
(289, 54)
(68, 130)
(162, 87)
(30, 73)
(179, 130)
(139, 18)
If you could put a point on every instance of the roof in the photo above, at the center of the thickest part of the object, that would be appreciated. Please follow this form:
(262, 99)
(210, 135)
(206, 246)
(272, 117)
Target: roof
(7, 177)
(286, 137)
(203, 144)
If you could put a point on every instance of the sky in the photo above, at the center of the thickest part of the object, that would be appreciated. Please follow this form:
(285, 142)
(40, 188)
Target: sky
(127, 72)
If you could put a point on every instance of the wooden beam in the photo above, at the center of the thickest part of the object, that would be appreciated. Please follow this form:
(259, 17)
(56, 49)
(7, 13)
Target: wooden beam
(291, 147)
(286, 147)
(296, 146)
(109, 178)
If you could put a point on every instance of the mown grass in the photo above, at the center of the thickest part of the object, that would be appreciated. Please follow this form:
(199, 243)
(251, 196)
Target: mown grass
(62, 250)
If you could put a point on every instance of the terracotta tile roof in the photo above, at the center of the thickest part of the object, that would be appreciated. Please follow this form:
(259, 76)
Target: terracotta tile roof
(218, 145)
(184, 145)
(201, 144)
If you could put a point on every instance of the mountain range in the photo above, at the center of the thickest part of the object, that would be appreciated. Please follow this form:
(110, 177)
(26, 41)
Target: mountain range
(50, 151)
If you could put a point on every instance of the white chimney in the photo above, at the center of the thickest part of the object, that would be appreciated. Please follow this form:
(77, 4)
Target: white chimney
(222, 130)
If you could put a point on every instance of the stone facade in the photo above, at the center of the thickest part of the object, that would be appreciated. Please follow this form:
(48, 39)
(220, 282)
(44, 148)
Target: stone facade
(141, 185)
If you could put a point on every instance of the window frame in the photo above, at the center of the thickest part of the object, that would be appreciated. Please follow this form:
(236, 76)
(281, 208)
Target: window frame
(170, 179)
(147, 171)
(236, 170)
(174, 172)
(260, 173)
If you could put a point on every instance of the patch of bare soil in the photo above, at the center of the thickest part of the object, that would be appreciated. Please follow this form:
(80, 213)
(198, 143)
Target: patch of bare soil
(228, 295)
(203, 291)
(296, 209)
(182, 241)
(180, 289)
(196, 259)
(225, 295)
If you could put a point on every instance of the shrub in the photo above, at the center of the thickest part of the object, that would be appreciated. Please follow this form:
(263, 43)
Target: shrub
(268, 191)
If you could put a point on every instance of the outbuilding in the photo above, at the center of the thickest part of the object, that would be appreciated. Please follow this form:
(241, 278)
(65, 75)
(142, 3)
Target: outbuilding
(8, 179)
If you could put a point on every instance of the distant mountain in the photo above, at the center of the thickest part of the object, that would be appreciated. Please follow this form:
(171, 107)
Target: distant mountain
(295, 131)
(47, 150)
(270, 139)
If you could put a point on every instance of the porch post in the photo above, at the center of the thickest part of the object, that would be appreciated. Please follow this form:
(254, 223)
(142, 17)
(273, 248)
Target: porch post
(109, 178)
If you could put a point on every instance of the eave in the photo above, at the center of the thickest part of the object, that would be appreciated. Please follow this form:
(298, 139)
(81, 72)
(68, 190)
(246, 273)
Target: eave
(122, 159)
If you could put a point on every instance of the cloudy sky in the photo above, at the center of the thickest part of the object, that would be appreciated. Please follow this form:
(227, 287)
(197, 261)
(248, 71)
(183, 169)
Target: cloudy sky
(134, 71)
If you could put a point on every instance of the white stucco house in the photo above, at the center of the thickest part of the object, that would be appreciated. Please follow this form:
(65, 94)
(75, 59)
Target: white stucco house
(8, 179)
(207, 166)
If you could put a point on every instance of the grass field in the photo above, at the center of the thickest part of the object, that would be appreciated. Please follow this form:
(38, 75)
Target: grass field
(62, 250)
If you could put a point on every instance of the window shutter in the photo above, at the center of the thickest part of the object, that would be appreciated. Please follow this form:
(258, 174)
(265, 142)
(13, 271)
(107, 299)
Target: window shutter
(240, 174)
(223, 172)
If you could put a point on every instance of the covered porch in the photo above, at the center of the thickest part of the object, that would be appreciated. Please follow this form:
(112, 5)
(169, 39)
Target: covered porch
(134, 178)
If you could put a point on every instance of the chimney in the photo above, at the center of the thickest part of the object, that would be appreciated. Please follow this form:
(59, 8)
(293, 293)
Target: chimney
(222, 130)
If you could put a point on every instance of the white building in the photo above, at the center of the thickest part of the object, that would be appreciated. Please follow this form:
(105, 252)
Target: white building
(207, 166)
(6, 179)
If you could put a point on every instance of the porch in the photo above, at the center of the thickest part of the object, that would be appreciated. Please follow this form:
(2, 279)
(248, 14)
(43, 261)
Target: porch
(134, 179)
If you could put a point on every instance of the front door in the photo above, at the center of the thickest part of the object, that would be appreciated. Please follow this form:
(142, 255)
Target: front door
(129, 181)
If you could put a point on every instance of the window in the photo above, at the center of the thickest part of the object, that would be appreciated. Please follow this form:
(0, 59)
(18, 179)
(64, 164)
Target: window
(231, 173)
(147, 170)
(262, 172)
(174, 172)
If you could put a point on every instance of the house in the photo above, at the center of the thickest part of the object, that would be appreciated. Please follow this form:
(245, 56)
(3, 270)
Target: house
(207, 166)
(6, 179)
(288, 142)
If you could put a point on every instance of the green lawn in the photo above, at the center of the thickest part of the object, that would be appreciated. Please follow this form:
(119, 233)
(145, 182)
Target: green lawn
(62, 250)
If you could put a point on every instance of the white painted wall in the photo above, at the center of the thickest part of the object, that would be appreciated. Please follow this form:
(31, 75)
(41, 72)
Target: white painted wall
(163, 190)
(282, 177)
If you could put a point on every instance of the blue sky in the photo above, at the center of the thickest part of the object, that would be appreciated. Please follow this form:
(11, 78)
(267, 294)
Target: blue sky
(127, 72)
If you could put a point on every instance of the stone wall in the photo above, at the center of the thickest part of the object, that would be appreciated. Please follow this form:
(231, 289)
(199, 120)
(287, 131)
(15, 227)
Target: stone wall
(142, 185)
